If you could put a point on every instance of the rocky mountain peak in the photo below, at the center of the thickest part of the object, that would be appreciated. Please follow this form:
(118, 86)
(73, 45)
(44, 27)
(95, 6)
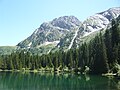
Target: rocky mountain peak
(100, 20)
(66, 22)
(67, 31)
(51, 31)
(111, 13)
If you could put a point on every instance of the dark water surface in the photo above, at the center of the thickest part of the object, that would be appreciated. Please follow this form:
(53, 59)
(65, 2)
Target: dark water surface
(48, 81)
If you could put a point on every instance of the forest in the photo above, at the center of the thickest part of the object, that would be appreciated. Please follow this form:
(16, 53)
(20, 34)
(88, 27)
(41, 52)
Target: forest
(100, 55)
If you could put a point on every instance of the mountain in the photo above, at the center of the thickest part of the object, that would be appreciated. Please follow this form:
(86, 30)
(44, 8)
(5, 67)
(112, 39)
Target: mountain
(51, 32)
(66, 32)
(91, 25)
(101, 56)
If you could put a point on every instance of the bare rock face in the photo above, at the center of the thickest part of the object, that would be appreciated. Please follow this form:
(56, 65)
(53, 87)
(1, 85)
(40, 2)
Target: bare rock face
(90, 25)
(66, 22)
(66, 31)
(51, 31)
(100, 20)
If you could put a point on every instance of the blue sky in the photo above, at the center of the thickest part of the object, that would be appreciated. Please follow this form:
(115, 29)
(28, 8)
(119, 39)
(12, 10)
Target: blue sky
(19, 18)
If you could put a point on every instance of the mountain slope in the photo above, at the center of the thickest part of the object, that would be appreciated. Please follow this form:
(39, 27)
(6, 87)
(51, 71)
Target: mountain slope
(90, 25)
(66, 32)
(51, 32)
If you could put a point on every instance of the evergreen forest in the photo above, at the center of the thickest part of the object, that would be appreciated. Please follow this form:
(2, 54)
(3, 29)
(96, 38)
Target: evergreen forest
(100, 55)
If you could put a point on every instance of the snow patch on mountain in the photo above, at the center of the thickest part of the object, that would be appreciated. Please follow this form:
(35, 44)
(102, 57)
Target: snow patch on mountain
(48, 43)
(54, 42)
(88, 33)
(63, 33)
(73, 39)
(30, 44)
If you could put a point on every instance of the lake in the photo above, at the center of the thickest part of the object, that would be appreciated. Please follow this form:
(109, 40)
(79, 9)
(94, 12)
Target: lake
(50, 81)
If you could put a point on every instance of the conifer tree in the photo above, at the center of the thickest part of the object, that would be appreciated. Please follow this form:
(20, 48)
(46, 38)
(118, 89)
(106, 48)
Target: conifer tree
(108, 44)
(100, 60)
(115, 33)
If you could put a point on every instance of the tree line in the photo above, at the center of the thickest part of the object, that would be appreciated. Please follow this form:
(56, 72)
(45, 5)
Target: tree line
(101, 54)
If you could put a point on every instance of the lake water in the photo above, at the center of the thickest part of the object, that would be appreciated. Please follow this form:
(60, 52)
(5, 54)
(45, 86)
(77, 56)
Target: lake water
(48, 81)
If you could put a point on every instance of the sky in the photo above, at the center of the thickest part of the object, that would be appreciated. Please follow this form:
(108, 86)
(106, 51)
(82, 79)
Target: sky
(20, 18)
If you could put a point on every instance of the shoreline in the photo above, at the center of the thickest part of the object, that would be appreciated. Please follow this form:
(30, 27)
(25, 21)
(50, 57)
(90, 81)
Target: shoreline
(42, 70)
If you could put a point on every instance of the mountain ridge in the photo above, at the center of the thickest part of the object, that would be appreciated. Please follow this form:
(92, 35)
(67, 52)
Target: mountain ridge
(95, 23)
(66, 32)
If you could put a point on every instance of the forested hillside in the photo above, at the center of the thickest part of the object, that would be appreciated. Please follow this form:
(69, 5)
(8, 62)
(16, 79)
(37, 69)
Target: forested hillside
(100, 55)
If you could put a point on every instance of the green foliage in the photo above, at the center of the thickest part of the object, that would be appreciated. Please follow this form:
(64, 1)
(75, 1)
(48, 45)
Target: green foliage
(99, 55)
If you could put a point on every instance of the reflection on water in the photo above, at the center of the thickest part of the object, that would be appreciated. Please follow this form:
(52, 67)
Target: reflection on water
(49, 81)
